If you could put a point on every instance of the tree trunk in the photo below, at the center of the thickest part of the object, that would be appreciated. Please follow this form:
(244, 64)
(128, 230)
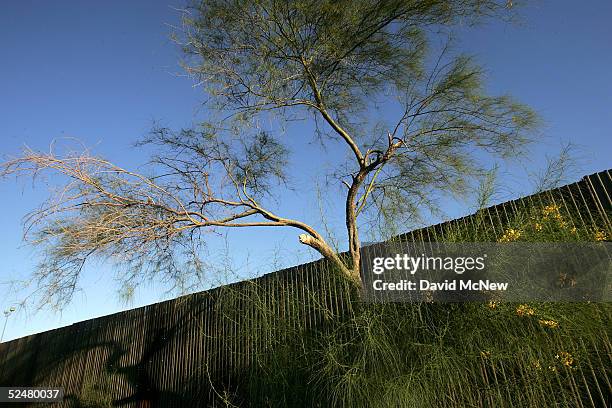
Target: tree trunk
(351, 272)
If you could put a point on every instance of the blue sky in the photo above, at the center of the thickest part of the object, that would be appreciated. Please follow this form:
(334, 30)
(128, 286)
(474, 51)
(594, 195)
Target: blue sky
(102, 72)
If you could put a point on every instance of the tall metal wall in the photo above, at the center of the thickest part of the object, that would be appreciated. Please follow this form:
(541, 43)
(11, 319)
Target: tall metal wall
(189, 352)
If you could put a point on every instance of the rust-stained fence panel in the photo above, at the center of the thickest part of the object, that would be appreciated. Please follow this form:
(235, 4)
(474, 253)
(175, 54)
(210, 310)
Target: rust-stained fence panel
(188, 352)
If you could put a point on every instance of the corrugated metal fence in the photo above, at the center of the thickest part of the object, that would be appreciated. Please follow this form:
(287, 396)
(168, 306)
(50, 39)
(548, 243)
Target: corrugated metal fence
(190, 352)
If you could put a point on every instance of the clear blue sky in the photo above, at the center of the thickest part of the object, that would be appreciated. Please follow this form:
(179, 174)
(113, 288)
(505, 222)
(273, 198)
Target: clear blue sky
(102, 72)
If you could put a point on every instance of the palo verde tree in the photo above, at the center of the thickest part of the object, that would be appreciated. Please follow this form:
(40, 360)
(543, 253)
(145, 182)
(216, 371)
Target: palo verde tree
(261, 60)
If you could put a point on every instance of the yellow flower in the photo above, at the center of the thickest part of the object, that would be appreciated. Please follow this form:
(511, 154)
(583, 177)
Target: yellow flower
(524, 310)
(485, 354)
(573, 230)
(548, 323)
(565, 358)
(600, 236)
(493, 304)
(510, 235)
(536, 364)
(538, 226)
(551, 210)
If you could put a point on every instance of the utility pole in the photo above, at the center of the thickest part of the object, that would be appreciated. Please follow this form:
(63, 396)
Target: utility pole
(7, 313)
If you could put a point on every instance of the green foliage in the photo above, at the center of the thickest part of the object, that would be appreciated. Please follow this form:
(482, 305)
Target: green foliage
(338, 61)
(252, 53)
(548, 222)
(425, 354)
(263, 63)
(96, 394)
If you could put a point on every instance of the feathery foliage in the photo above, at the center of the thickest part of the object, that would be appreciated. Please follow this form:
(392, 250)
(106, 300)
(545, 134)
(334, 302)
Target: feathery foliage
(270, 61)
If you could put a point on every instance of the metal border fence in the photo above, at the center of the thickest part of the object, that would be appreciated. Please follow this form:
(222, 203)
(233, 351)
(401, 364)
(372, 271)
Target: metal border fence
(177, 352)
